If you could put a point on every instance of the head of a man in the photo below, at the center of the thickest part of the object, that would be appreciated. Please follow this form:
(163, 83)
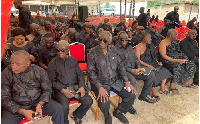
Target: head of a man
(19, 61)
(146, 38)
(194, 19)
(87, 27)
(123, 21)
(106, 20)
(141, 10)
(176, 8)
(172, 34)
(153, 17)
(123, 38)
(71, 33)
(166, 22)
(135, 24)
(153, 27)
(47, 25)
(192, 33)
(49, 40)
(140, 30)
(17, 4)
(105, 38)
(63, 49)
(35, 28)
(19, 34)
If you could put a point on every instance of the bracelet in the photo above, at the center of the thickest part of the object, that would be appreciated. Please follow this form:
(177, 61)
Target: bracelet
(41, 104)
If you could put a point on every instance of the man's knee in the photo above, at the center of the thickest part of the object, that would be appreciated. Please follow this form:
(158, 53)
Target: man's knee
(104, 105)
(151, 76)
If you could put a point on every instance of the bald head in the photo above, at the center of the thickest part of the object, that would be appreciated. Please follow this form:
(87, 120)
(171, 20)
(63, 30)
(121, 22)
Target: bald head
(63, 43)
(34, 26)
(17, 4)
(176, 8)
(141, 10)
(21, 54)
(192, 33)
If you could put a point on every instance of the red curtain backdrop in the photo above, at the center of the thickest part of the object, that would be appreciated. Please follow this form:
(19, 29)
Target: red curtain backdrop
(5, 16)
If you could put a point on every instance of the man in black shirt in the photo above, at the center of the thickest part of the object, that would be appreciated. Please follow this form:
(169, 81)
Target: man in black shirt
(106, 72)
(137, 38)
(142, 18)
(190, 48)
(190, 24)
(26, 90)
(68, 82)
(25, 18)
(47, 51)
(173, 16)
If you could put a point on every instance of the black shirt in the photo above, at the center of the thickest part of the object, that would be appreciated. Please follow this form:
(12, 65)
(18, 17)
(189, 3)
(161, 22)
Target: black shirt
(174, 17)
(25, 89)
(190, 24)
(25, 19)
(64, 73)
(142, 20)
(155, 38)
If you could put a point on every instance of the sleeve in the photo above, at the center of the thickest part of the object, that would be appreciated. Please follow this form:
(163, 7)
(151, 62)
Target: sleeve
(82, 38)
(52, 75)
(25, 15)
(81, 81)
(33, 50)
(6, 101)
(190, 53)
(91, 70)
(121, 69)
(46, 86)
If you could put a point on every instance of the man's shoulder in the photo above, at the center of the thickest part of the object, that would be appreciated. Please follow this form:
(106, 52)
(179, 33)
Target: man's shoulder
(7, 71)
(94, 49)
(37, 68)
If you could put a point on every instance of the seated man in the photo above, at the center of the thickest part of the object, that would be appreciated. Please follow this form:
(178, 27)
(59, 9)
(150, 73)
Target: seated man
(26, 90)
(146, 53)
(156, 39)
(190, 48)
(68, 82)
(136, 39)
(71, 36)
(132, 67)
(105, 70)
(47, 51)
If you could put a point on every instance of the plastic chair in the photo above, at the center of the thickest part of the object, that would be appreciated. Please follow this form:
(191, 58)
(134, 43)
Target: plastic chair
(77, 50)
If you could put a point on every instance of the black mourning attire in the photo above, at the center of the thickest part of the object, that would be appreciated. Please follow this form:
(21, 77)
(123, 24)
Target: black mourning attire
(131, 61)
(47, 54)
(142, 20)
(136, 39)
(156, 39)
(25, 19)
(190, 48)
(181, 73)
(65, 73)
(165, 30)
(174, 17)
(107, 71)
(25, 90)
(190, 24)
(149, 57)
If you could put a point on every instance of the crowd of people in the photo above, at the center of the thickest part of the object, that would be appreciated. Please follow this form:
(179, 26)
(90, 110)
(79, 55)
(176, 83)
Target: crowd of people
(39, 76)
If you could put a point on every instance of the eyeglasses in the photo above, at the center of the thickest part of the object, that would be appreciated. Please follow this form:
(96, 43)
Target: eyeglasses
(153, 26)
(141, 29)
(62, 50)
(123, 39)
(104, 40)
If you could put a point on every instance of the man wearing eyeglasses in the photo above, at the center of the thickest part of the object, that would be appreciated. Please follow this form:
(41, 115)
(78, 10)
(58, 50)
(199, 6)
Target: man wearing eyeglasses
(106, 72)
(137, 38)
(173, 16)
(133, 69)
(68, 83)
(154, 35)
(47, 51)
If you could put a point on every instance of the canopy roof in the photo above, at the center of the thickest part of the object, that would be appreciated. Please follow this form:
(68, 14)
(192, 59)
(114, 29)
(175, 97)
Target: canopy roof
(84, 2)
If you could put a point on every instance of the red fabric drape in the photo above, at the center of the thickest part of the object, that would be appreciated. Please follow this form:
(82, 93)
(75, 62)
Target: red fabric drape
(5, 16)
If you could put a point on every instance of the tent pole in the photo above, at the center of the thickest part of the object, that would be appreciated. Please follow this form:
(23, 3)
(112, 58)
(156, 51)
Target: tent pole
(190, 12)
(100, 12)
(133, 9)
(125, 9)
(120, 10)
(130, 12)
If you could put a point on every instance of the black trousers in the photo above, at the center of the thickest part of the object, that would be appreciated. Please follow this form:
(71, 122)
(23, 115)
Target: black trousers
(86, 101)
(196, 74)
(148, 82)
(51, 108)
(127, 101)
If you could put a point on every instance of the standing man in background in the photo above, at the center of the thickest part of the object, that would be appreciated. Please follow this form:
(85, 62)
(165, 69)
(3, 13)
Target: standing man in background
(25, 18)
(142, 18)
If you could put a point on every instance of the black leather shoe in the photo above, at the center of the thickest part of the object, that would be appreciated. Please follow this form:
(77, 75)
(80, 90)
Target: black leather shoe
(77, 120)
(132, 110)
(147, 99)
(121, 117)
(108, 120)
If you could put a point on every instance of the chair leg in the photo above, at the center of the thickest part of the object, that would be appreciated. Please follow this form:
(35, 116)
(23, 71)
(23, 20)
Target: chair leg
(95, 112)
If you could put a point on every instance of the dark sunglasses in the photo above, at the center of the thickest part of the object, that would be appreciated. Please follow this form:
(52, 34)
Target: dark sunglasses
(123, 39)
(105, 41)
(153, 26)
(62, 50)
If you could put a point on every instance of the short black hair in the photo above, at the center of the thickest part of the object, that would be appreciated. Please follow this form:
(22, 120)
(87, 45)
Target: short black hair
(47, 35)
(144, 35)
(19, 31)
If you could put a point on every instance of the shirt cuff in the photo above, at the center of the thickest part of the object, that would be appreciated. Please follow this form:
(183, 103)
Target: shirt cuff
(98, 85)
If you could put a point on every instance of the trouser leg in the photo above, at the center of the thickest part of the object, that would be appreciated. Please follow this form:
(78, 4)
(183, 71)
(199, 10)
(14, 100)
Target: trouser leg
(127, 100)
(55, 110)
(131, 78)
(148, 82)
(86, 101)
(10, 118)
(64, 101)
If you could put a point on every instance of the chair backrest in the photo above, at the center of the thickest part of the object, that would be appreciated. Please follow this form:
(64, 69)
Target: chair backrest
(77, 50)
